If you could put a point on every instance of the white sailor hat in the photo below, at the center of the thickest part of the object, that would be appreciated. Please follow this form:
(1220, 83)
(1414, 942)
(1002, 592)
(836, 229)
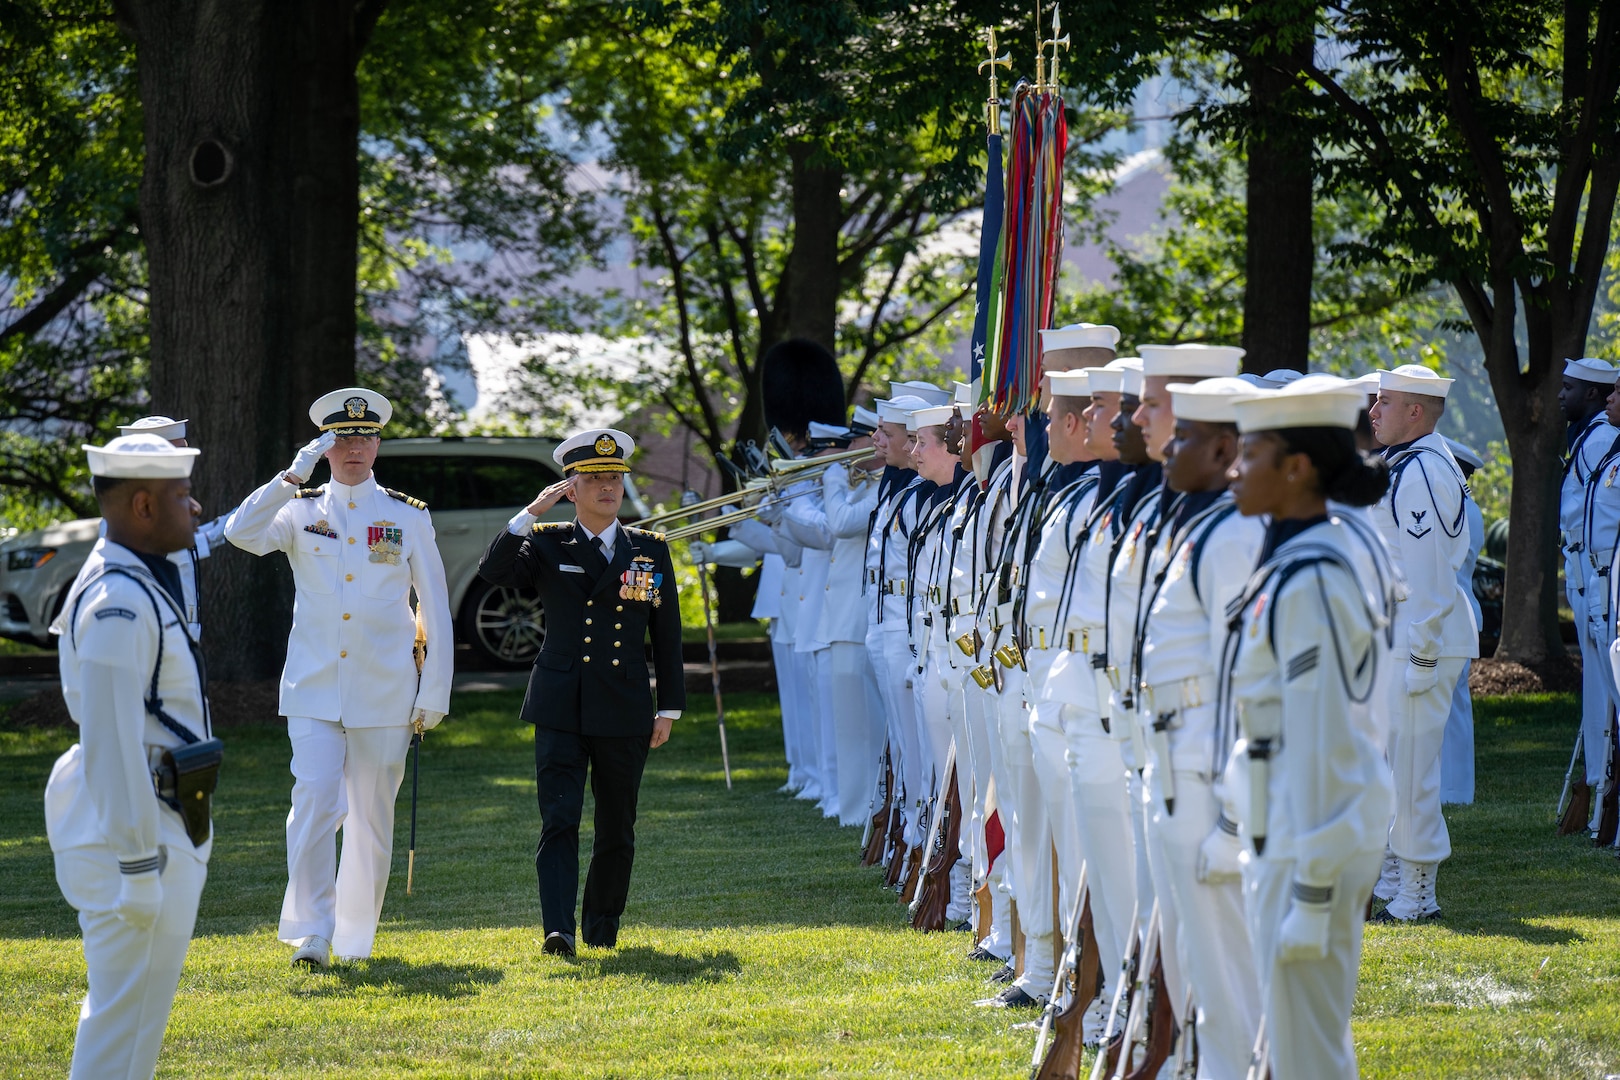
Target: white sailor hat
(896, 409)
(1313, 401)
(141, 457)
(1070, 383)
(1213, 401)
(1132, 379)
(163, 427)
(1076, 336)
(961, 392)
(932, 416)
(1283, 376)
(930, 394)
(352, 411)
(1111, 377)
(1465, 454)
(829, 433)
(1591, 369)
(1414, 379)
(1191, 361)
(865, 421)
(595, 450)
(1259, 382)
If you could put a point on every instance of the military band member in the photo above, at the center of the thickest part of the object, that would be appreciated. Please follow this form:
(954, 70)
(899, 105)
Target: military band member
(1195, 570)
(1586, 387)
(126, 858)
(350, 688)
(607, 589)
(1313, 789)
(1424, 521)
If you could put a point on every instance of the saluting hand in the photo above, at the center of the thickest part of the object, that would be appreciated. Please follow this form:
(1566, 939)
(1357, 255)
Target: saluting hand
(553, 495)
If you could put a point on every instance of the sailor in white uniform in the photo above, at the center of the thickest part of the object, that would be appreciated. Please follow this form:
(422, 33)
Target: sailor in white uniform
(1423, 518)
(1299, 676)
(350, 689)
(1195, 571)
(1587, 384)
(127, 859)
(209, 534)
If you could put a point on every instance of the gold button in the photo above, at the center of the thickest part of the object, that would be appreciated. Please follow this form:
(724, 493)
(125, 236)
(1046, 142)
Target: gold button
(351, 539)
(587, 622)
(345, 616)
(615, 645)
(343, 654)
(587, 641)
(348, 577)
(619, 608)
(615, 663)
(587, 659)
(351, 506)
(317, 547)
(590, 603)
(618, 626)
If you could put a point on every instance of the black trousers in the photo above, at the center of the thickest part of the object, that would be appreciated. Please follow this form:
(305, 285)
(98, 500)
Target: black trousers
(615, 764)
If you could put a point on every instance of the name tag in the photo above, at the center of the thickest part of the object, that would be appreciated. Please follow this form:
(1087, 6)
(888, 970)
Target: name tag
(570, 568)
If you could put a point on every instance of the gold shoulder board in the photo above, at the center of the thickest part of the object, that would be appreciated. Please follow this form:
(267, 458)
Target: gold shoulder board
(310, 493)
(408, 500)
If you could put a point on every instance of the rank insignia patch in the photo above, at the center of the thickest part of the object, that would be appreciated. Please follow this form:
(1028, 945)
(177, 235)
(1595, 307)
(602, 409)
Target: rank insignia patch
(385, 540)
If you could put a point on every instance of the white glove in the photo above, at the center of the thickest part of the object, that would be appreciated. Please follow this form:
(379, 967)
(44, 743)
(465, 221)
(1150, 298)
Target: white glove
(1304, 932)
(427, 718)
(1421, 678)
(769, 511)
(140, 898)
(699, 552)
(213, 532)
(1218, 858)
(303, 466)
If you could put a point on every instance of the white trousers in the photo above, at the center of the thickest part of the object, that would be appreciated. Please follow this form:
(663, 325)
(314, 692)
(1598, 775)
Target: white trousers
(344, 778)
(1307, 1002)
(1417, 731)
(791, 697)
(133, 974)
(899, 666)
(857, 729)
(1106, 835)
(1049, 747)
(811, 691)
(999, 940)
(1204, 930)
(1457, 748)
(1032, 853)
(1596, 697)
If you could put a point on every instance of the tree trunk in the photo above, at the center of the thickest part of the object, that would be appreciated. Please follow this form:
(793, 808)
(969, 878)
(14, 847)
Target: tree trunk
(1280, 252)
(812, 267)
(249, 210)
(1530, 592)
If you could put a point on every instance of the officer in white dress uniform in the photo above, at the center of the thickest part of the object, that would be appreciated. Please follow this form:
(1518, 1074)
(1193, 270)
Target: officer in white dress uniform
(209, 533)
(126, 859)
(1587, 385)
(1423, 519)
(349, 690)
(1299, 671)
(1194, 572)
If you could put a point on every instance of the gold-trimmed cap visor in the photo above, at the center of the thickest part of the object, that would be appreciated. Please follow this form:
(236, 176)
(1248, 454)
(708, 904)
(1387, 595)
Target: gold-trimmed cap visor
(598, 450)
(351, 411)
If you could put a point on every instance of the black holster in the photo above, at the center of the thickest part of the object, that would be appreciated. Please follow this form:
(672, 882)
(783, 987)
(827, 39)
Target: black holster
(185, 780)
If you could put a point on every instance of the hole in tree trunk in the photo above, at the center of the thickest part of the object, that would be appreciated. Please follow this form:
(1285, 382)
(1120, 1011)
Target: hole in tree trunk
(210, 164)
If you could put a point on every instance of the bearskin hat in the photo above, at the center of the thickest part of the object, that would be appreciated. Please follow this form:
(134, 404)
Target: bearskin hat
(801, 383)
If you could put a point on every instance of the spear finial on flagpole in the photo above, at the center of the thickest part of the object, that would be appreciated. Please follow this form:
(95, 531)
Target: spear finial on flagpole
(992, 106)
(1040, 52)
(1055, 41)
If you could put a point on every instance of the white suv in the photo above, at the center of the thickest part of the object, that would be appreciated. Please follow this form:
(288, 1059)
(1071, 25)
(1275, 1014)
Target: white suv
(472, 487)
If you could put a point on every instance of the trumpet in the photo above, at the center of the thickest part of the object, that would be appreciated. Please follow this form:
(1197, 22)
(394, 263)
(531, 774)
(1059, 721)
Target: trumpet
(800, 468)
(760, 487)
(783, 472)
(696, 528)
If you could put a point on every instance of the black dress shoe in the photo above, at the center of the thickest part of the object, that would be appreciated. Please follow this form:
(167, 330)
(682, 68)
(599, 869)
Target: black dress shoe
(1004, 974)
(963, 927)
(1010, 998)
(979, 952)
(558, 944)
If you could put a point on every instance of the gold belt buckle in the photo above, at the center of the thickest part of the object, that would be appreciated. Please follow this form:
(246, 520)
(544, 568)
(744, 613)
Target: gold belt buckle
(984, 675)
(1010, 655)
(970, 643)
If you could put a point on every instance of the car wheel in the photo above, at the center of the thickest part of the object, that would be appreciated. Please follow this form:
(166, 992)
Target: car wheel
(503, 626)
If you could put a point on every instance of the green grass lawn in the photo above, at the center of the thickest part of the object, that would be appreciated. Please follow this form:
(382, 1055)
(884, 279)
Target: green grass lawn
(754, 945)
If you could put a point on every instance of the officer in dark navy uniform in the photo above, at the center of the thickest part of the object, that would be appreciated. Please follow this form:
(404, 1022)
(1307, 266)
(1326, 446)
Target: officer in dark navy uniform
(606, 588)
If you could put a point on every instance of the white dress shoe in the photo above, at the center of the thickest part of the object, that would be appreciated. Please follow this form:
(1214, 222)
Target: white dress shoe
(316, 952)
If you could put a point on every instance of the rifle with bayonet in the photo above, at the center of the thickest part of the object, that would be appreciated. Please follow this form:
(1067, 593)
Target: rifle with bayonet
(1574, 811)
(1079, 975)
(877, 825)
(1151, 1026)
(944, 848)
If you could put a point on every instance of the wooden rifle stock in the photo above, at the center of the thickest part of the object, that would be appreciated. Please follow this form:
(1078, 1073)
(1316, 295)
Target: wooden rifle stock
(914, 860)
(1161, 1026)
(877, 830)
(896, 840)
(936, 876)
(1084, 974)
(1610, 816)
